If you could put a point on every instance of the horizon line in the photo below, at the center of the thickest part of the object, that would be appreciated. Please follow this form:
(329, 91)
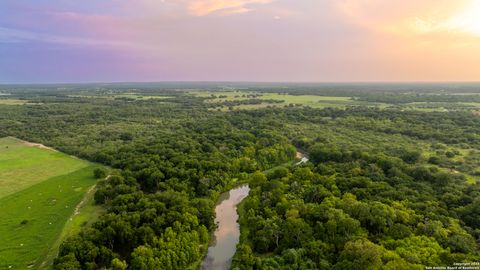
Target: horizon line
(242, 82)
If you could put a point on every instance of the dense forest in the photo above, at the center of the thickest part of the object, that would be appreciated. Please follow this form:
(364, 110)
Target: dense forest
(384, 189)
(358, 209)
(171, 161)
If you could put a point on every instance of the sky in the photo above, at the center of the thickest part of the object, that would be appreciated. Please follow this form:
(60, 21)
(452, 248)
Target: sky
(239, 40)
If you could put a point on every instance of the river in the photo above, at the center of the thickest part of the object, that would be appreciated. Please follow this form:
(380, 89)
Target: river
(227, 235)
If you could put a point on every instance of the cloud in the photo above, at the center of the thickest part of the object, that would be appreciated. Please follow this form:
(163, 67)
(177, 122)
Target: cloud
(9, 35)
(225, 7)
(429, 18)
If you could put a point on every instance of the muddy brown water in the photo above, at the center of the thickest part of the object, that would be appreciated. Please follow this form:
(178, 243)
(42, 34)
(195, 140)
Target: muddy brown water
(227, 234)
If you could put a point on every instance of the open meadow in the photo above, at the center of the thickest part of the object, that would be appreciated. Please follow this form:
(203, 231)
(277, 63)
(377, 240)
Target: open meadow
(41, 191)
(5, 101)
(281, 100)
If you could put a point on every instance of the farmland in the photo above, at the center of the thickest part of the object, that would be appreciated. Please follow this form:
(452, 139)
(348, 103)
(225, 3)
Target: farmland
(40, 190)
(23, 165)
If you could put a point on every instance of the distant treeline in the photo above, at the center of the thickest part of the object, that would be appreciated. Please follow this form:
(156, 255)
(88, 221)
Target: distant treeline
(327, 89)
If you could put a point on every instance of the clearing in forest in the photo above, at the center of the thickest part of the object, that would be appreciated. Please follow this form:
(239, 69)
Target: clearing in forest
(40, 189)
(314, 101)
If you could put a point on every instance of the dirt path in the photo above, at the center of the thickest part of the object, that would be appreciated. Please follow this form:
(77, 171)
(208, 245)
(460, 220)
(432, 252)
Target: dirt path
(38, 145)
(41, 146)
(49, 258)
(84, 200)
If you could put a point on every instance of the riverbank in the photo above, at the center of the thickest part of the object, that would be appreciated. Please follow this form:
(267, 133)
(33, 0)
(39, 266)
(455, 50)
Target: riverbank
(229, 231)
(244, 231)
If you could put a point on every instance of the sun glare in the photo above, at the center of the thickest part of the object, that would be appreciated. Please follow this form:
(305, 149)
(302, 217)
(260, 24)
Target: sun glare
(468, 20)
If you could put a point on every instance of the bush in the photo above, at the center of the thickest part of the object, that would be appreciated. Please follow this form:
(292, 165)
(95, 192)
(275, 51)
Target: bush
(100, 173)
(450, 154)
(434, 160)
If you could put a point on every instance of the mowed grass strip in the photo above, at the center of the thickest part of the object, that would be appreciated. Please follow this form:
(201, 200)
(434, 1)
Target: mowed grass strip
(32, 220)
(23, 165)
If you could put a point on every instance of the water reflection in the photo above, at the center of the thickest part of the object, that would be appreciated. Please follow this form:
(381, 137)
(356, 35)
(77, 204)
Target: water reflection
(227, 234)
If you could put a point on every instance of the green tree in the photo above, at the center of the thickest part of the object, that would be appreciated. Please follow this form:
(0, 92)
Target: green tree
(100, 173)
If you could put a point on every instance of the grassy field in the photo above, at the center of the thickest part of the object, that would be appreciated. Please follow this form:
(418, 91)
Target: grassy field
(124, 95)
(139, 96)
(52, 198)
(86, 213)
(23, 165)
(303, 100)
(12, 101)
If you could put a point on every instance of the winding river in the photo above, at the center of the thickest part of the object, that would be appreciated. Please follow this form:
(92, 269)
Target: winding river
(227, 235)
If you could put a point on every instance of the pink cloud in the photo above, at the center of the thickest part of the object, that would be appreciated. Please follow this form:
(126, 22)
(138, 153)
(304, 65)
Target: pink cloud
(225, 7)
(280, 40)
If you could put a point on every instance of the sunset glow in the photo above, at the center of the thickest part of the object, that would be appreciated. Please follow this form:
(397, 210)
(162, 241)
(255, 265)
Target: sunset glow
(239, 40)
(468, 20)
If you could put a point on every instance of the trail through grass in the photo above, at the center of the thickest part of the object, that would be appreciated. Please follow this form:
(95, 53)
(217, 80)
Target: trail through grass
(40, 194)
(32, 219)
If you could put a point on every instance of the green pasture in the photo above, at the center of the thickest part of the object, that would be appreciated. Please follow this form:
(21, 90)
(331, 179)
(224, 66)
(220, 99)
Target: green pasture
(122, 95)
(32, 220)
(22, 165)
(4, 101)
(303, 100)
(45, 196)
(87, 212)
